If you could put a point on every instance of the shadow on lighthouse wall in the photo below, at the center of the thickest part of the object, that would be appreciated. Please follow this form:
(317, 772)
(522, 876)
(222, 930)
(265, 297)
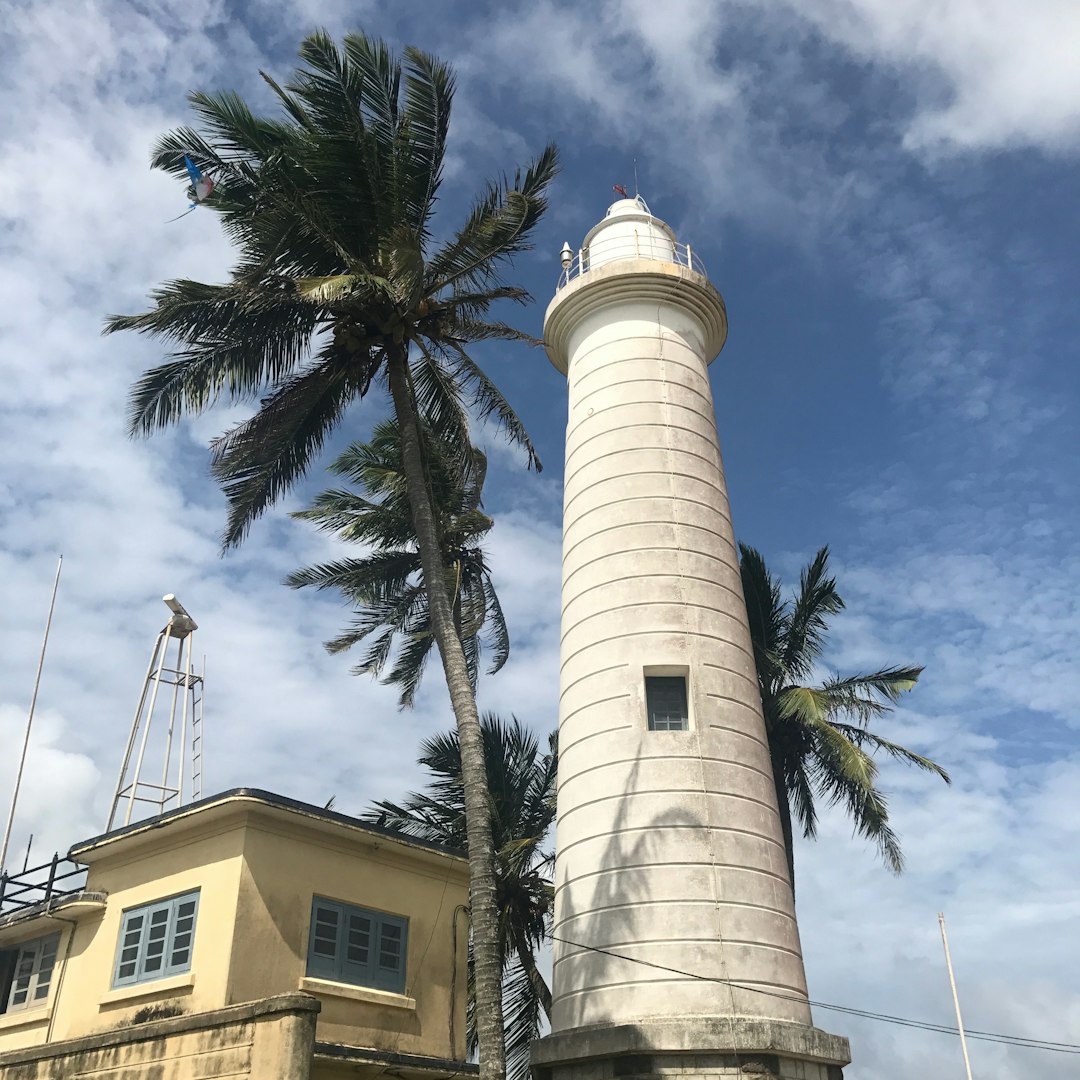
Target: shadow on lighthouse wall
(615, 934)
(660, 909)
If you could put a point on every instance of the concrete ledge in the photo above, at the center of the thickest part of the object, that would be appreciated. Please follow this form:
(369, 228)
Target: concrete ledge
(357, 993)
(136, 991)
(634, 279)
(412, 1062)
(159, 1029)
(22, 1018)
(693, 1035)
(75, 903)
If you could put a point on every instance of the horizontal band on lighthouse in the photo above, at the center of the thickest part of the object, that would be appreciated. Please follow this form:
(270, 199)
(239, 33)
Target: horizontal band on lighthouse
(657, 391)
(684, 864)
(591, 705)
(703, 759)
(665, 497)
(659, 632)
(614, 582)
(578, 741)
(651, 523)
(636, 474)
(678, 604)
(663, 385)
(593, 417)
(652, 549)
(745, 986)
(701, 901)
(648, 365)
(624, 735)
(649, 451)
(569, 953)
(592, 675)
(637, 344)
(709, 438)
(626, 805)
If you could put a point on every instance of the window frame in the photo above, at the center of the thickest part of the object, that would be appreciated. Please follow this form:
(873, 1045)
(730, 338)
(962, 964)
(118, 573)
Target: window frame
(36, 950)
(338, 967)
(666, 674)
(149, 916)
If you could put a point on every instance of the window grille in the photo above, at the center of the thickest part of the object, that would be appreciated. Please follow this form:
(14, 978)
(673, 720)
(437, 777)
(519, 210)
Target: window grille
(666, 702)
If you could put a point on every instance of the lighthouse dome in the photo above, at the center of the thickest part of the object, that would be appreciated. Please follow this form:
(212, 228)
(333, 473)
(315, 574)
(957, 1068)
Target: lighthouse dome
(629, 231)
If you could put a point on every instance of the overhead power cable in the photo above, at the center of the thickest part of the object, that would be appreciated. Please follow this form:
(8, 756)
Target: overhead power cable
(866, 1014)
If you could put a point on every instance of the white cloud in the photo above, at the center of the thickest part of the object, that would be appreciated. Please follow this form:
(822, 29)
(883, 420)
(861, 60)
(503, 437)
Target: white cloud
(986, 74)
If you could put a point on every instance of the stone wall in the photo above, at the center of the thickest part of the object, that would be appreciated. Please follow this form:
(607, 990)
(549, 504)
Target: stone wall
(272, 1038)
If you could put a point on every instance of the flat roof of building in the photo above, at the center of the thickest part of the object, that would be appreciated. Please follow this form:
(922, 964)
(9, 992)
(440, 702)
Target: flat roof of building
(257, 797)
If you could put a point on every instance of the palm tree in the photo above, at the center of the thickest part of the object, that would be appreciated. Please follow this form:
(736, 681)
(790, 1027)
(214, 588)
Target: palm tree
(522, 785)
(819, 736)
(337, 286)
(387, 584)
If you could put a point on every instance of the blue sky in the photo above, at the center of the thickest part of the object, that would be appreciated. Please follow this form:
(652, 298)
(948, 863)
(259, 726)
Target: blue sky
(885, 193)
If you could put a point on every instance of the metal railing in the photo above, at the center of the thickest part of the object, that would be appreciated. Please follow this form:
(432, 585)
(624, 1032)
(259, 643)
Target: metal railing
(40, 884)
(603, 252)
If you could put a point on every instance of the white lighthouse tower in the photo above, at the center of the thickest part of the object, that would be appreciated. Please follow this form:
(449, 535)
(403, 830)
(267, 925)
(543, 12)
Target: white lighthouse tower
(675, 942)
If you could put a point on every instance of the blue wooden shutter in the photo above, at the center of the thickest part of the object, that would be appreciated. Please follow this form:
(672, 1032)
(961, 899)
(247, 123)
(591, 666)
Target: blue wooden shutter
(181, 934)
(156, 940)
(131, 937)
(324, 939)
(388, 969)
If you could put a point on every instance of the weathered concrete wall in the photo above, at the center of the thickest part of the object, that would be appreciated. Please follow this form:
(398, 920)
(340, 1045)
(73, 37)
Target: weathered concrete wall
(271, 1039)
(210, 861)
(669, 844)
(273, 920)
(702, 1048)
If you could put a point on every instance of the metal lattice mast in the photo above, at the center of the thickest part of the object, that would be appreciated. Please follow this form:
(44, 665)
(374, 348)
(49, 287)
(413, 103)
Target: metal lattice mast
(181, 778)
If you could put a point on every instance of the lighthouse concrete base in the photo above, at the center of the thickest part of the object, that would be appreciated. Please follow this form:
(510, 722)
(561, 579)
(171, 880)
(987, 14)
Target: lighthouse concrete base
(692, 1048)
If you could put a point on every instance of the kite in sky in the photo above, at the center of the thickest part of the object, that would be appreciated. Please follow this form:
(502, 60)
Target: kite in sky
(201, 185)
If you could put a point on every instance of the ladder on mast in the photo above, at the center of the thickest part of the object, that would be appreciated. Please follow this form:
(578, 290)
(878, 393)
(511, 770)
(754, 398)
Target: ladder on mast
(180, 781)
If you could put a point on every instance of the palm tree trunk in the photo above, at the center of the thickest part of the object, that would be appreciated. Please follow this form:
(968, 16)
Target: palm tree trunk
(482, 897)
(784, 805)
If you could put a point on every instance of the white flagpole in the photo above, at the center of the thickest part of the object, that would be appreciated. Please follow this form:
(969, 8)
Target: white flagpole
(30, 718)
(955, 996)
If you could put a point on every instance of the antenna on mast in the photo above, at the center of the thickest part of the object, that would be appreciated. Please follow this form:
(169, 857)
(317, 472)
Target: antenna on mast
(30, 721)
(955, 996)
(187, 695)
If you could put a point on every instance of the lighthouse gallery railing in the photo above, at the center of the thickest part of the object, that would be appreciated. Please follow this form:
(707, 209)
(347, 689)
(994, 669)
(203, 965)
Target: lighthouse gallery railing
(604, 251)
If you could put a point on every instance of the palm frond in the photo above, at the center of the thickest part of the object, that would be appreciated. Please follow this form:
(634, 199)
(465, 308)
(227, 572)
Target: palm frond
(237, 340)
(862, 738)
(766, 614)
(488, 401)
(814, 752)
(498, 227)
(373, 577)
(429, 94)
(262, 457)
(816, 599)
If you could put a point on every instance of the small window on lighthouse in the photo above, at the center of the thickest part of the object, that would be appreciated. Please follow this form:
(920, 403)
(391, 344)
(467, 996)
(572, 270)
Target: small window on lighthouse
(665, 700)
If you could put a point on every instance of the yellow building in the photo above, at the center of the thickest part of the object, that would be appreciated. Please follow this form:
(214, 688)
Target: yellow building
(246, 935)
